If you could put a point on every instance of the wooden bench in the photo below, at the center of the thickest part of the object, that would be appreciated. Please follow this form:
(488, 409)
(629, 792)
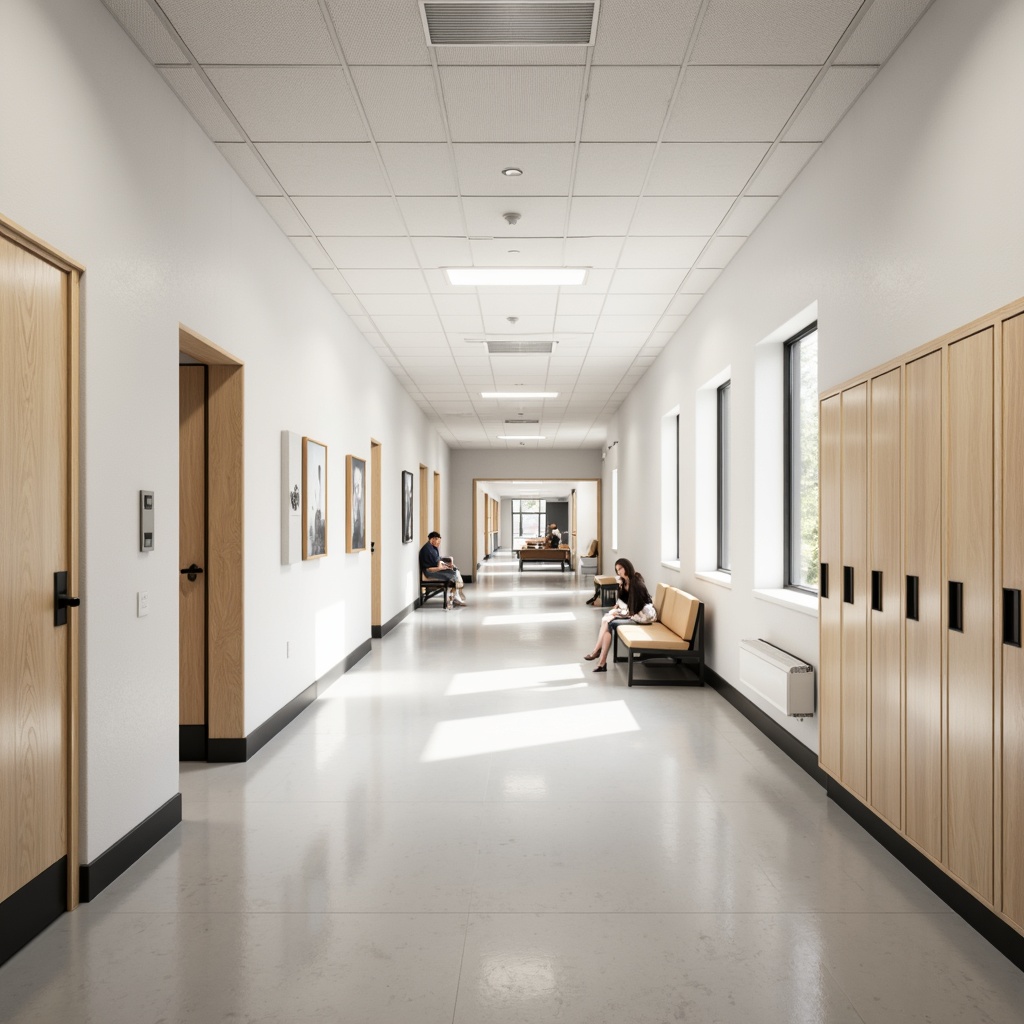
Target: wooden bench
(430, 588)
(677, 635)
(560, 555)
(609, 586)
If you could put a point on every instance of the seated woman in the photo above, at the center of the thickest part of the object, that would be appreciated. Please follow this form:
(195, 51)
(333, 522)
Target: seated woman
(633, 604)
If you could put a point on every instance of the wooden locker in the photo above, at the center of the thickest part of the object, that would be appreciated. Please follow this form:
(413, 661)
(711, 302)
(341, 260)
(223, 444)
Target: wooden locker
(855, 590)
(1012, 759)
(885, 593)
(970, 620)
(831, 585)
(923, 582)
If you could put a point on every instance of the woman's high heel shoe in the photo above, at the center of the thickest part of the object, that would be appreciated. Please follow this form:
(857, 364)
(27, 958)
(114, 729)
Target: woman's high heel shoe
(601, 668)
(593, 600)
(589, 657)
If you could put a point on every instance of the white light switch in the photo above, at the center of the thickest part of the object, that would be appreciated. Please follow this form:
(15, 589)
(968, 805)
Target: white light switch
(143, 600)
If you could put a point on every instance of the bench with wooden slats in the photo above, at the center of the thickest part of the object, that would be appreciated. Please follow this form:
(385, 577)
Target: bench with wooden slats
(677, 635)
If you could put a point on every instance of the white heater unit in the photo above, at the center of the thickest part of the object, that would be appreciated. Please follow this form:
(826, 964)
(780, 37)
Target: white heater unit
(786, 682)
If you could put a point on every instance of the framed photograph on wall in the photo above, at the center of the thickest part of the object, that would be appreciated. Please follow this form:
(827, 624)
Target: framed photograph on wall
(314, 498)
(291, 497)
(355, 503)
(406, 507)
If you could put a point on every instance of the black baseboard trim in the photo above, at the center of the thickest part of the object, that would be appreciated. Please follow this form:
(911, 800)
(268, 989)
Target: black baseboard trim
(379, 632)
(191, 742)
(785, 741)
(349, 661)
(34, 907)
(984, 921)
(467, 579)
(95, 877)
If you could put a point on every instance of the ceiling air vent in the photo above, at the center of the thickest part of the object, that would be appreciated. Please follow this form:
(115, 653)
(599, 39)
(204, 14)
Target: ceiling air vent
(472, 23)
(520, 348)
(519, 423)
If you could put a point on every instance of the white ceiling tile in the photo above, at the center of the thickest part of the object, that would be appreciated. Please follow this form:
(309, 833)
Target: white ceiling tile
(597, 282)
(671, 323)
(526, 325)
(325, 168)
(529, 252)
(443, 252)
(512, 104)
(398, 305)
(719, 251)
(659, 339)
(384, 32)
(141, 23)
(835, 94)
(516, 303)
(432, 215)
(579, 305)
(419, 168)
(351, 305)
(736, 104)
(540, 216)
(644, 282)
(680, 215)
(462, 323)
(881, 30)
(621, 305)
(617, 340)
(368, 252)
(546, 167)
(612, 169)
(400, 281)
(633, 322)
(627, 104)
(312, 252)
(362, 323)
(368, 215)
(748, 212)
(202, 104)
(401, 103)
(439, 283)
(782, 167)
(699, 281)
(333, 281)
(249, 168)
(457, 305)
(289, 104)
(413, 343)
(583, 325)
(601, 215)
(389, 323)
(281, 209)
(661, 252)
(253, 31)
(653, 32)
(681, 305)
(780, 32)
(490, 56)
(704, 168)
(592, 252)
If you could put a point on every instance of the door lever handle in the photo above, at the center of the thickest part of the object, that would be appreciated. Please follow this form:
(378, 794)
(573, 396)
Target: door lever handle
(61, 600)
(191, 572)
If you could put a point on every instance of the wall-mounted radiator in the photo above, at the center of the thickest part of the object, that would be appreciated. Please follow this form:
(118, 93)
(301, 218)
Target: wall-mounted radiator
(787, 683)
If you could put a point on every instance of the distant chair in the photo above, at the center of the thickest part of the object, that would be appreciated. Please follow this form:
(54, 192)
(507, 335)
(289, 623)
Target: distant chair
(588, 562)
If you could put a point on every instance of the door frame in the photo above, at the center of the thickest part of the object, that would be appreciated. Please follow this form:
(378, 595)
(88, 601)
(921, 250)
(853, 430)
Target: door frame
(376, 457)
(19, 236)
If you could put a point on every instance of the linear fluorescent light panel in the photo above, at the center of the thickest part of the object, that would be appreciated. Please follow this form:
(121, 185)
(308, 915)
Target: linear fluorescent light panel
(521, 437)
(518, 394)
(505, 277)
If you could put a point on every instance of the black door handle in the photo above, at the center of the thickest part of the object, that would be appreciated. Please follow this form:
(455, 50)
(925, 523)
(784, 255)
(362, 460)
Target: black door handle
(191, 572)
(61, 601)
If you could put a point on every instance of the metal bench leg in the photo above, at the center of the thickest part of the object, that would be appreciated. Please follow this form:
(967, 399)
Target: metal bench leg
(629, 676)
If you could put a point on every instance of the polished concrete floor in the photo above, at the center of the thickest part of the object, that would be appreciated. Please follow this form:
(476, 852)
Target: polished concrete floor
(470, 827)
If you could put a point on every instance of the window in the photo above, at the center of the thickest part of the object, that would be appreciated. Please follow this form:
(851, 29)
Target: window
(800, 418)
(724, 561)
(529, 517)
(670, 487)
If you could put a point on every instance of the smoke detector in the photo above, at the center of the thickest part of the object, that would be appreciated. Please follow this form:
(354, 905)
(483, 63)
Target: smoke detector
(512, 218)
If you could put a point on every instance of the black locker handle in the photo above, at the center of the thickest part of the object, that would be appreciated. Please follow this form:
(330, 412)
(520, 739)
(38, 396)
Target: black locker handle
(876, 590)
(823, 586)
(848, 584)
(913, 589)
(956, 606)
(1011, 617)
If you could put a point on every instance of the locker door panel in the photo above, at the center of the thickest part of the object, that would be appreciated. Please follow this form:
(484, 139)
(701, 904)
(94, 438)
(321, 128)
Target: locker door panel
(829, 618)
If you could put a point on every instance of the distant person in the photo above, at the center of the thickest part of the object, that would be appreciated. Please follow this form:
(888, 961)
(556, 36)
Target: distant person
(435, 568)
(633, 604)
(554, 535)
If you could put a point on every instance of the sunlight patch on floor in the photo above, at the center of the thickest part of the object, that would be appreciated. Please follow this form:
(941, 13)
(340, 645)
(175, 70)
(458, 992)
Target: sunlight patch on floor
(510, 679)
(528, 619)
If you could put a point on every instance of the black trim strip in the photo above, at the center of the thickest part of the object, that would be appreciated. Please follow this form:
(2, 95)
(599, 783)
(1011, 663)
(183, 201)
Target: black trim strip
(33, 908)
(382, 631)
(95, 877)
(191, 742)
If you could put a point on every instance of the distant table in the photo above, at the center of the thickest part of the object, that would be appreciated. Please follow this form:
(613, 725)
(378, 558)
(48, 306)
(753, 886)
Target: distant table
(545, 556)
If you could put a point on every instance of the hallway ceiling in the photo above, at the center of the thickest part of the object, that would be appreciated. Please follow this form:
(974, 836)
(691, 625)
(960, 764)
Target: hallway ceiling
(648, 157)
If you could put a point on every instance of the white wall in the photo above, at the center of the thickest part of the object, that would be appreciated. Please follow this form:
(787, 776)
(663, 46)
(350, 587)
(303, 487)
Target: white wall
(586, 517)
(100, 160)
(905, 225)
(505, 538)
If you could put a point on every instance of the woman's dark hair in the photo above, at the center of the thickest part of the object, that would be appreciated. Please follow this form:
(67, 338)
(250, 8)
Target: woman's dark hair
(635, 593)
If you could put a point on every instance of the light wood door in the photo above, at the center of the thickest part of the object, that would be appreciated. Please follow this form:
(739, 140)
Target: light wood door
(1013, 655)
(192, 545)
(969, 555)
(375, 531)
(424, 504)
(854, 728)
(886, 592)
(36, 502)
(924, 581)
(437, 501)
(830, 666)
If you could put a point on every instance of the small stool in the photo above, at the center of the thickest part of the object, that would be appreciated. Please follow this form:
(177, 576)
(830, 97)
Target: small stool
(609, 588)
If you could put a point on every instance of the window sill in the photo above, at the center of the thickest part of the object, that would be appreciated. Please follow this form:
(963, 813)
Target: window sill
(720, 579)
(807, 604)
(670, 564)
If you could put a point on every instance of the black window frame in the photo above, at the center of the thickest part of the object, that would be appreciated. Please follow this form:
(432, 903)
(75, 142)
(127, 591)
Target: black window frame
(518, 513)
(791, 455)
(723, 401)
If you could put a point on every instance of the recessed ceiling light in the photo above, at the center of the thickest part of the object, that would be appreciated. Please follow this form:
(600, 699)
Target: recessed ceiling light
(512, 172)
(515, 276)
(521, 437)
(518, 394)
(514, 252)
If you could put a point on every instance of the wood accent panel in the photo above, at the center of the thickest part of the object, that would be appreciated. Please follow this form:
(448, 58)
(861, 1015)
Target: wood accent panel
(923, 638)
(1012, 754)
(424, 504)
(192, 544)
(437, 500)
(830, 668)
(854, 655)
(36, 511)
(225, 567)
(74, 582)
(886, 675)
(969, 557)
(376, 539)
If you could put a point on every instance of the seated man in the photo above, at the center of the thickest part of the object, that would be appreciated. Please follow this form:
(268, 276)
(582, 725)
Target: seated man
(554, 537)
(434, 568)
